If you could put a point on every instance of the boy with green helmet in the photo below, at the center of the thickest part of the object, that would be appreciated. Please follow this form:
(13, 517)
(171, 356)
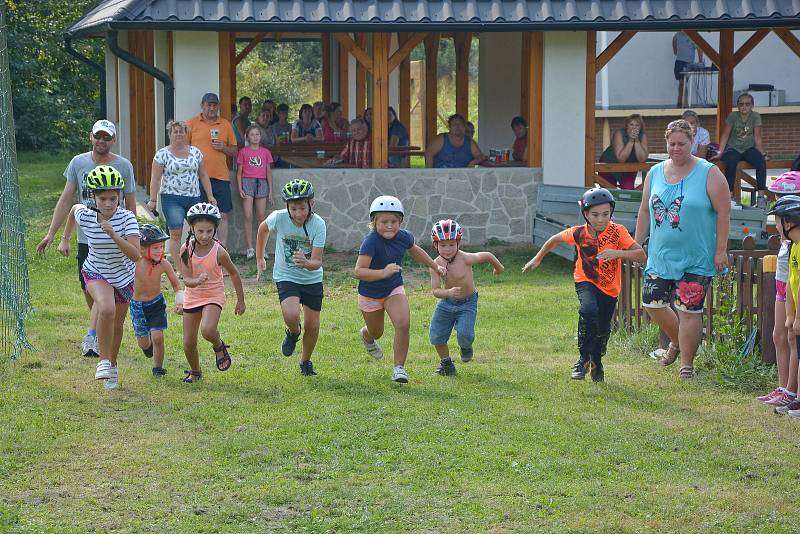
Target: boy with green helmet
(297, 271)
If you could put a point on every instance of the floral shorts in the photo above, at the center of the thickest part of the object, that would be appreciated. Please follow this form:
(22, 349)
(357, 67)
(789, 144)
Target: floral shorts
(687, 294)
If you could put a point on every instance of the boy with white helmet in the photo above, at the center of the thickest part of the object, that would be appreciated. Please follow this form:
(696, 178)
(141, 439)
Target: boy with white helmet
(458, 304)
(380, 286)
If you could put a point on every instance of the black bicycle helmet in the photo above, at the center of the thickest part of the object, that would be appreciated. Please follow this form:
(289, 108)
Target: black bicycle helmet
(151, 234)
(596, 196)
(786, 205)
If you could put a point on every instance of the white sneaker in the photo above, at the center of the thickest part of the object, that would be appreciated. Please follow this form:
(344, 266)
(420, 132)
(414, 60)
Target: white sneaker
(373, 349)
(103, 370)
(89, 346)
(251, 253)
(113, 379)
(793, 413)
(399, 374)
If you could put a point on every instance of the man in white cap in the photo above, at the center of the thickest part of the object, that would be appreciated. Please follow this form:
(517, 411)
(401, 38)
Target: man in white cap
(102, 138)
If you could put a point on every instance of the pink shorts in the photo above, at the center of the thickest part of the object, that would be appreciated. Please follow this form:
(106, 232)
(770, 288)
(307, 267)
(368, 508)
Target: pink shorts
(780, 291)
(369, 304)
(121, 296)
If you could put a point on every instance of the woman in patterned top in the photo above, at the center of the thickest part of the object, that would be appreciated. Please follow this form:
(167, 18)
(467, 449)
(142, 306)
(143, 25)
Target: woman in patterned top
(176, 174)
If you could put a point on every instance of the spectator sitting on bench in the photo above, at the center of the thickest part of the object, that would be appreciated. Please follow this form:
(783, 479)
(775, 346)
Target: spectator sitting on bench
(741, 140)
(628, 145)
(701, 136)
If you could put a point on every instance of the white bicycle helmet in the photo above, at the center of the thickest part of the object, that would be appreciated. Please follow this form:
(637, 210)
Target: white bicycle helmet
(203, 210)
(386, 203)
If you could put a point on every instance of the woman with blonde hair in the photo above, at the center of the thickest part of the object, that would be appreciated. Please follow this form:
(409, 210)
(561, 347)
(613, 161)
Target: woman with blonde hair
(628, 145)
(701, 136)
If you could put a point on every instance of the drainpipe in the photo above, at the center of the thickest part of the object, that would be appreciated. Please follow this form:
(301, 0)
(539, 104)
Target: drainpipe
(96, 66)
(169, 85)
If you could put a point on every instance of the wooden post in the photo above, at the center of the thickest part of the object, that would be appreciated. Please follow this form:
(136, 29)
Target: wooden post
(534, 110)
(462, 43)
(380, 99)
(404, 94)
(431, 86)
(344, 81)
(591, 82)
(361, 78)
(226, 58)
(725, 82)
(325, 41)
(525, 77)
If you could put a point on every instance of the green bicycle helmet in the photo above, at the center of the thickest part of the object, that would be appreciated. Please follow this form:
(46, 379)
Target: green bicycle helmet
(297, 189)
(104, 178)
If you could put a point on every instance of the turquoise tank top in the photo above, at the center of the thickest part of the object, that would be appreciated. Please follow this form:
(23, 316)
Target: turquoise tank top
(683, 225)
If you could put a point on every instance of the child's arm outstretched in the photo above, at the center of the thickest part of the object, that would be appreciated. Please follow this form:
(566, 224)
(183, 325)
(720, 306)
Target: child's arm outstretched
(419, 254)
(176, 285)
(549, 245)
(634, 253)
(488, 257)
(63, 245)
(224, 260)
(261, 243)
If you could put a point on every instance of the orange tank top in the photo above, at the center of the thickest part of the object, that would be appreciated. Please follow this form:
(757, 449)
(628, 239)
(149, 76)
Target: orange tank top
(212, 291)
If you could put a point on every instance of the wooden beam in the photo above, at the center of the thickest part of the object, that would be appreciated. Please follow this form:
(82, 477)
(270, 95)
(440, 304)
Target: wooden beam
(525, 75)
(591, 83)
(326, 68)
(357, 49)
(534, 111)
(406, 47)
(249, 48)
(462, 43)
(380, 99)
(789, 39)
(431, 86)
(226, 97)
(361, 78)
(344, 81)
(749, 45)
(148, 109)
(612, 49)
(703, 45)
(404, 93)
(725, 80)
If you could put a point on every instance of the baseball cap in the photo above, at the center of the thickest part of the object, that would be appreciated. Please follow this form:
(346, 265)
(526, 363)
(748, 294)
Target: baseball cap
(104, 126)
(210, 97)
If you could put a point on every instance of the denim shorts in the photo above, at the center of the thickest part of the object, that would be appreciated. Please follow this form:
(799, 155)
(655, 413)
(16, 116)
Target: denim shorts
(460, 314)
(148, 315)
(175, 207)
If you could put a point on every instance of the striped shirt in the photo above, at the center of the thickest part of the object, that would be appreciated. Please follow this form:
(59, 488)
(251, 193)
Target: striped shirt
(105, 258)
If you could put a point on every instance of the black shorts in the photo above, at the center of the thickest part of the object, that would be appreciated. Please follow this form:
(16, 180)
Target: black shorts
(680, 66)
(687, 294)
(222, 192)
(310, 294)
(198, 309)
(83, 253)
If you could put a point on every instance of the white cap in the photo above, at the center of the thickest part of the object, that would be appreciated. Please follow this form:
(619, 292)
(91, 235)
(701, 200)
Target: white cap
(104, 126)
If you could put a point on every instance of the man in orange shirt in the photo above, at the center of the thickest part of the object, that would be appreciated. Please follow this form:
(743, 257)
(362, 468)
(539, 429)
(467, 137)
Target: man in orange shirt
(214, 136)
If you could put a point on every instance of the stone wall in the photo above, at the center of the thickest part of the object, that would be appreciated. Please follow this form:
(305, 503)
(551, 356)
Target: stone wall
(487, 202)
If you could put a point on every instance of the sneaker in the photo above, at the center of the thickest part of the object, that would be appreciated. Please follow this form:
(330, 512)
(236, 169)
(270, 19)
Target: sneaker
(761, 203)
(782, 410)
(596, 372)
(158, 372)
(466, 354)
(446, 368)
(89, 346)
(103, 370)
(251, 253)
(307, 369)
(373, 349)
(399, 374)
(579, 370)
(779, 400)
(289, 343)
(793, 413)
(768, 396)
(113, 379)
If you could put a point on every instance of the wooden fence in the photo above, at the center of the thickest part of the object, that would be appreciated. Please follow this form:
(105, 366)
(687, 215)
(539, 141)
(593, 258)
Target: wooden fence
(754, 288)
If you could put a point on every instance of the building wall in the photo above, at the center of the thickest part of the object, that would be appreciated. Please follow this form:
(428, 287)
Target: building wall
(196, 64)
(500, 57)
(161, 60)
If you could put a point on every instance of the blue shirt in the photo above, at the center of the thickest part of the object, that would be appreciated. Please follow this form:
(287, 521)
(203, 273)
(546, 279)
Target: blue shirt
(290, 237)
(452, 157)
(383, 252)
(683, 225)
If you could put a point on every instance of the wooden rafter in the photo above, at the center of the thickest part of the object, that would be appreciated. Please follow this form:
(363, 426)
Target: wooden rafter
(344, 81)
(404, 78)
(789, 39)
(346, 42)
(749, 45)
(612, 49)
(405, 49)
(703, 45)
(249, 48)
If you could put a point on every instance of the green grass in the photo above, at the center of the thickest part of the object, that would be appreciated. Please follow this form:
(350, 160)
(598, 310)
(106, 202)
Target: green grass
(510, 444)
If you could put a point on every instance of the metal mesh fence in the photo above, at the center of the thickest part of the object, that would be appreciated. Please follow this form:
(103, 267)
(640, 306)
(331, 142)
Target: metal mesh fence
(14, 295)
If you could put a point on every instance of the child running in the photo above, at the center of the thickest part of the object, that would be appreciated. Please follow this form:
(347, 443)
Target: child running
(380, 287)
(297, 272)
(254, 175)
(148, 306)
(601, 245)
(113, 237)
(202, 261)
(458, 304)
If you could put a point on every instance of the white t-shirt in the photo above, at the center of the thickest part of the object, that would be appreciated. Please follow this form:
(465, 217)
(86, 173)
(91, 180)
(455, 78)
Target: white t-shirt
(180, 174)
(105, 258)
(701, 138)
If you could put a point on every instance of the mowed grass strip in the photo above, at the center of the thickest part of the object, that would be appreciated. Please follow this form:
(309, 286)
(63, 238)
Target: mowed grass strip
(510, 444)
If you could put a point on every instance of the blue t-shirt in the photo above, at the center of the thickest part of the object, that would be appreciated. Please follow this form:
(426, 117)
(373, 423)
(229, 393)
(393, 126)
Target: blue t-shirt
(290, 237)
(383, 252)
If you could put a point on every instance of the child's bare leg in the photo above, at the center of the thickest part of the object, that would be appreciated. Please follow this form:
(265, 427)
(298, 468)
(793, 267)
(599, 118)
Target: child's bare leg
(780, 336)
(247, 211)
(373, 326)
(209, 329)
(191, 323)
(103, 296)
(121, 312)
(399, 313)
(157, 341)
(443, 351)
(311, 323)
(175, 245)
(290, 308)
(260, 205)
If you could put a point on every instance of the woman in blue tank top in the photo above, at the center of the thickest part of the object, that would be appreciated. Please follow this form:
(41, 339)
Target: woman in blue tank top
(442, 153)
(686, 212)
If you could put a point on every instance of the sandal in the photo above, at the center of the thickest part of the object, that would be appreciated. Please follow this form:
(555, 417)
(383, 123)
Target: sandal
(687, 372)
(223, 362)
(191, 376)
(670, 355)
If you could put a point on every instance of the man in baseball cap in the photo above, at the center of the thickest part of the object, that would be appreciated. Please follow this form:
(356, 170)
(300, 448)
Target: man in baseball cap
(210, 98)
(104, 126)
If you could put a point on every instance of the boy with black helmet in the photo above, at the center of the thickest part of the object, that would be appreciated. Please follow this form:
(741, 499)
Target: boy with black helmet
(601, 245)
(297, 271)
(148, 306)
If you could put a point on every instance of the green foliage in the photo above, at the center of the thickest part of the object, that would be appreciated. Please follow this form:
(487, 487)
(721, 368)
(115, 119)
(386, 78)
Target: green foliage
(54, 95)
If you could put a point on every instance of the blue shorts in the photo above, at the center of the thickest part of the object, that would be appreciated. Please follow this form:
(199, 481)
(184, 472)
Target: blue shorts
(175, 207)
(460, 314)
(148, 316)
(222, 192)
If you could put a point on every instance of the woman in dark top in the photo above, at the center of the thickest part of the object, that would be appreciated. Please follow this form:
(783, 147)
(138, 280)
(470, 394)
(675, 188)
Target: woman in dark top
(398, 136)
(628, 145)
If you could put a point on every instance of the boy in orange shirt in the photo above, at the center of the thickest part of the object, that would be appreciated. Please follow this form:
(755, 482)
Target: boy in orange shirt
(601, 245)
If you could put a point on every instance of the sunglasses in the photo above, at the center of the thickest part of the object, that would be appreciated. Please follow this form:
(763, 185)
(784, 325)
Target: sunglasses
(103, 136)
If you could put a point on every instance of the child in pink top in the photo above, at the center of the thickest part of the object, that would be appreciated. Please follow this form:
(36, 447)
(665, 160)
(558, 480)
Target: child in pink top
(201, 262)
(254, 175)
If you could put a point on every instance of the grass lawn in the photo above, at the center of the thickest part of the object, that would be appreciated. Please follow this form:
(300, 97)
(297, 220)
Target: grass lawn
(510, 444)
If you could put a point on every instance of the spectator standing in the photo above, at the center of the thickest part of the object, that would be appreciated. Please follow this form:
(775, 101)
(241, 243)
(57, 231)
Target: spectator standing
(683, 48)
(241, 120)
